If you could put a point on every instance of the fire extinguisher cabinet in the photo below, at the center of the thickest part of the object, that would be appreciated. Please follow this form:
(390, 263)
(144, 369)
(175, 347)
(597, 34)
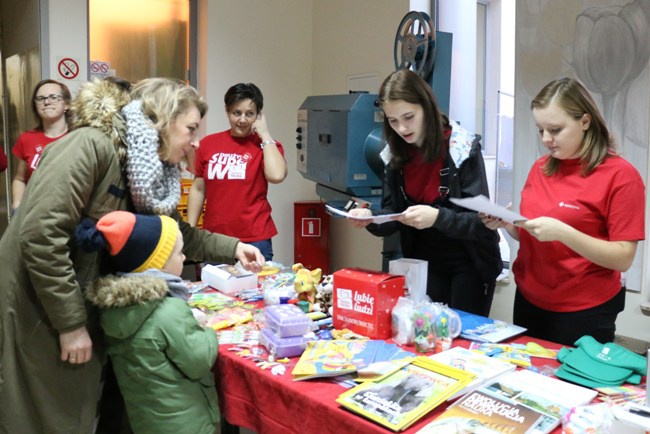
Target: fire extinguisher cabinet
(311, 227)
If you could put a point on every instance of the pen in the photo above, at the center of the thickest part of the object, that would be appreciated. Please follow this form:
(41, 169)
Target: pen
(639, 412)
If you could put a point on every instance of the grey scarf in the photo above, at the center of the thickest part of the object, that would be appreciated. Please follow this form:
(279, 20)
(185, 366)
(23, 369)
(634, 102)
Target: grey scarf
(154, 184)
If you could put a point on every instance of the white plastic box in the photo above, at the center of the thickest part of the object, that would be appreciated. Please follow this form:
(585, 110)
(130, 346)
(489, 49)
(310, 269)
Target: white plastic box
(286, 320)
(228, 279)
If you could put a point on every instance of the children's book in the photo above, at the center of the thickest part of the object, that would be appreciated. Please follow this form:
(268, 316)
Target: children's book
(405, 396)
(335, 357)
(511, 353)
(548, 395)
(483, 329)
(483, 367)
(487, 413)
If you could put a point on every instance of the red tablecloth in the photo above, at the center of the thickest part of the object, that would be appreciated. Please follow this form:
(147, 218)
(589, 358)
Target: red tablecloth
(267, 404)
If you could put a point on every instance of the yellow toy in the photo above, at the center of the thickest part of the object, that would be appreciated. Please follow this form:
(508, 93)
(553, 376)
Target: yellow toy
(305, 283)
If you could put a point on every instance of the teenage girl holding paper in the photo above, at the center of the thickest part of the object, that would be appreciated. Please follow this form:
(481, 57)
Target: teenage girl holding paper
(430, 159)
(585, 206)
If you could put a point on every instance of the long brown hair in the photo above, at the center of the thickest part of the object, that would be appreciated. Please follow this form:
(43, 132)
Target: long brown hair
(406, 85)
(576, 101)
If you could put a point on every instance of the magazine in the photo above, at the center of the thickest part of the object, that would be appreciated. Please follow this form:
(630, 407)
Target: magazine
(551, 396)
(335, 357)
(484, 329)
(487, 413)
(483, 367)
(405, 396)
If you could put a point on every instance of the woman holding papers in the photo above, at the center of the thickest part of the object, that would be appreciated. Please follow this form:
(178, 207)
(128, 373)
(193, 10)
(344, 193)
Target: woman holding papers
(430, 159)
(585, 206)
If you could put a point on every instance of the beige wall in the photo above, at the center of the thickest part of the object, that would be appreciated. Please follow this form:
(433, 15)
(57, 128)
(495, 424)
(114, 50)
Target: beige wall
(353, 37)
(269, 44)
(293, 49)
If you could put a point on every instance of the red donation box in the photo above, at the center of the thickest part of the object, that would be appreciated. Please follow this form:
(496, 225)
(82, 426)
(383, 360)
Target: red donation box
(363, 301)
(311, 235)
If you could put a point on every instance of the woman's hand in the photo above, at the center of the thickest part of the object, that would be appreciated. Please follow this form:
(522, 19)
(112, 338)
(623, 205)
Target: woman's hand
(546, 228)
(419, 216)
(359, 212)
(250, 257)
(260, 127)
(76, 346)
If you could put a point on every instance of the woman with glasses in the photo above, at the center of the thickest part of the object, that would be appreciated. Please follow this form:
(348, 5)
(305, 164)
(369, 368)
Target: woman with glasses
(122, 153)
(50, 104)
(233, 169)
(430, 159)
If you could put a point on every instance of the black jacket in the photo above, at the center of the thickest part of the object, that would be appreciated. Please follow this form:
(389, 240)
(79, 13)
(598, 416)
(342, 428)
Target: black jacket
(466, 179)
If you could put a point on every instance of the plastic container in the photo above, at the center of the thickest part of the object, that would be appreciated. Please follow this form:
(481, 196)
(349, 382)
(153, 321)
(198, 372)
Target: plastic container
(287, 320)
(283, 347)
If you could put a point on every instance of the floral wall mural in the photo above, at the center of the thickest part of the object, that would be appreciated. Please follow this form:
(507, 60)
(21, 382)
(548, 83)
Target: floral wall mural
(604, 44)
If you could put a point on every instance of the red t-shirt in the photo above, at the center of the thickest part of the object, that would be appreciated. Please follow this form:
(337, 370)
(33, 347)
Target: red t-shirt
(235, 186)
(608, 204)
(422, 179)
(29, 148)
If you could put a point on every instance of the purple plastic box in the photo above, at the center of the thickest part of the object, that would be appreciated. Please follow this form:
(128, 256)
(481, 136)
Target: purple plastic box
(283, 347)
(287, 320)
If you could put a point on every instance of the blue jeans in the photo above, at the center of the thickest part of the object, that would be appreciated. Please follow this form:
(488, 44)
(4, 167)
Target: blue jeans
(266, 247)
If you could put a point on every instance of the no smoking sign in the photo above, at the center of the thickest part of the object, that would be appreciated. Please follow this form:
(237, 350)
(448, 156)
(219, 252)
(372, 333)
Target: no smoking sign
(68, 68)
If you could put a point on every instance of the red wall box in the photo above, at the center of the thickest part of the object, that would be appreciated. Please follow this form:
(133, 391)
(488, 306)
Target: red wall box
(311, 235)
(363, 301)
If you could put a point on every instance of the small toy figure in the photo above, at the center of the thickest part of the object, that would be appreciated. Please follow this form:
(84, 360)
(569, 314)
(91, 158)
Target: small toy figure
(305, 283)
(324, 295)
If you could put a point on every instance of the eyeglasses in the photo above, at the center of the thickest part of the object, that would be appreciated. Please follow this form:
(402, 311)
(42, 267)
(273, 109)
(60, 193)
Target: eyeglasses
(55, 97)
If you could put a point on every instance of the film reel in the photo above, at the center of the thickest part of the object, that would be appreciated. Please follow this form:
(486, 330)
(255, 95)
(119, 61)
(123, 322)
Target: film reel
(415, 44)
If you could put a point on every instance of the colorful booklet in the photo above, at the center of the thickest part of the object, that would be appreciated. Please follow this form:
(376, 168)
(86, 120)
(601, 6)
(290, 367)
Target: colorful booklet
(483, 367)
(485, 412)
(511, 353)
(483, 329)
(405, 396)
(335, 357)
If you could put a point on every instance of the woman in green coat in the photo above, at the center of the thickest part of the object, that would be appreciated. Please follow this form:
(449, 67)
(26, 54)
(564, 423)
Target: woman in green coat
(122, 155)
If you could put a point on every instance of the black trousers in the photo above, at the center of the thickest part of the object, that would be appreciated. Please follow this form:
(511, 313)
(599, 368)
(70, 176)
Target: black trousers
(457, 284)
(565, 328)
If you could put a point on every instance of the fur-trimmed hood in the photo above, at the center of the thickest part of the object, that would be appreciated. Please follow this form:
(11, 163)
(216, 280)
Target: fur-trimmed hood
(126, 302)
(99, 105)
(115, 291)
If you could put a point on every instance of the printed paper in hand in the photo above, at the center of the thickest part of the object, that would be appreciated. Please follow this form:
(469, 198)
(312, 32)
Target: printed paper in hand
(379, 219)
(482, 204)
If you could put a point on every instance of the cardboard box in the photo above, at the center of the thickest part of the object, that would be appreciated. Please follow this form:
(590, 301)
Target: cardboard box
(228, 279)
(364, 299)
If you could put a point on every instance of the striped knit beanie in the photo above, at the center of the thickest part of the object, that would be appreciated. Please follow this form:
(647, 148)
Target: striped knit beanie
(136, 242)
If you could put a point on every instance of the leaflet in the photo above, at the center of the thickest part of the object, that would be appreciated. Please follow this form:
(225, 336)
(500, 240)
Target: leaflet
(482, 204)
(379, 219)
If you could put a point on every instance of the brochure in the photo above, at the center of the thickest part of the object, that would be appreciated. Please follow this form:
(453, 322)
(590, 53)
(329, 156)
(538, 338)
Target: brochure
(483, 367)
(484, 329)
(487, 413)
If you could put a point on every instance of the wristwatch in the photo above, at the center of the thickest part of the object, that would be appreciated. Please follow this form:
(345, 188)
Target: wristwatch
(267, 142)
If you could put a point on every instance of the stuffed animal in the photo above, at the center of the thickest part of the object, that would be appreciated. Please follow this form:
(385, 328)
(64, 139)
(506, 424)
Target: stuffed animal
(305, 283)
(324, 295)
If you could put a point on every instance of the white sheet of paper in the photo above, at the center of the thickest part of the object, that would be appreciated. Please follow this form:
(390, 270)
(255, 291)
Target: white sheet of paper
(379, 219)
(482, 204)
